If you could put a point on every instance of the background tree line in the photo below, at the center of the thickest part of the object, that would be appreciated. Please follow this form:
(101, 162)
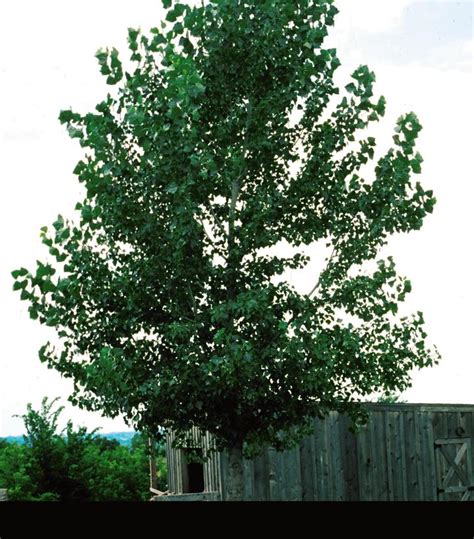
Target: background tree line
(75, 464)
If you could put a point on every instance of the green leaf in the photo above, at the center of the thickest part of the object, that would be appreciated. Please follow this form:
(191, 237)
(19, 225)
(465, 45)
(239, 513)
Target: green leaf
(158, 39)
(42, 353)
(19, 273)
(176, 12)
(19, 285)
(59, 223)
(172, 188)
(101, 56)
(44, 270)
(26, 295)
(416, 167)
(79, 168)
(166, 3)
(66, 116)
(51, 321)
(133, 34)
(74, 132)
(380, 107)
(114, 60)
(187, 45)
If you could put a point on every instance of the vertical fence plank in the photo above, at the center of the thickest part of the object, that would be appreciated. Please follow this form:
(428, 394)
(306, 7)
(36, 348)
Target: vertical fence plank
(207, 464)
(169, 462)
(362, 464)
(248, 479)
(425, 424)
(429, 464)
(321, 456)
(283, 470)
(348, 441)
(398, 477)
(403, 456)
(260, 477)
(284, 475)
(293, 475)
(411, 456)
(380, 458)
(278, 488)
(329, 456)
(217, 471)
(212, 465)
(307, 470)
(389, 454)
(468, 424)
(371, 464)
(418, 429)
(336, 452)
(224, 463)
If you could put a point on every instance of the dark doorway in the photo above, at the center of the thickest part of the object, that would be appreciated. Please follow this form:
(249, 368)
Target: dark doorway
(196, 477)
(193, 480)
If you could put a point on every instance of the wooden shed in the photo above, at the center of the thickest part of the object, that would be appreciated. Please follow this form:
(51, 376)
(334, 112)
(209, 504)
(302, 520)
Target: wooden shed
(405, 452)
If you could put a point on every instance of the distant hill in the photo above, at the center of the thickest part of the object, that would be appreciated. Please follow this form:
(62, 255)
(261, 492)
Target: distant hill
(13, 439)
(124, 438)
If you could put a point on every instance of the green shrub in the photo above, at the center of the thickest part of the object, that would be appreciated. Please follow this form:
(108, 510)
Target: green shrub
(75, 465)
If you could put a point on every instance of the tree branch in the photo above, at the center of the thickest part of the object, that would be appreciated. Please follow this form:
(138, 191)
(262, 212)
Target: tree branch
(333, 252)
(236, 183)
(193, 301)
(315, 287)
(205, 231)
(218, 223)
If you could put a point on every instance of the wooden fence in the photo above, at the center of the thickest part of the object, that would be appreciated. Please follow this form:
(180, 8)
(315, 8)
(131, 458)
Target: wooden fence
(404, 452)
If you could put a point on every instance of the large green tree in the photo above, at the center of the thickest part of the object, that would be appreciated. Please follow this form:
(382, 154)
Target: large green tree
(225, 137)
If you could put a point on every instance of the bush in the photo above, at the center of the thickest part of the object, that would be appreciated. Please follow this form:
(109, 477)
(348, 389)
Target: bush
(75, 465)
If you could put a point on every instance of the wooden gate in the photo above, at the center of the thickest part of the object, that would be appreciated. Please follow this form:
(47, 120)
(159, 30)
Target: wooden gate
(454, 469)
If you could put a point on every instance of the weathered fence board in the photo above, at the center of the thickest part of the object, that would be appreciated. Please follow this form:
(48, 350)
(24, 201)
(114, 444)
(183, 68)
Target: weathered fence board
(351, 491)
(308, 478)
(404, 452)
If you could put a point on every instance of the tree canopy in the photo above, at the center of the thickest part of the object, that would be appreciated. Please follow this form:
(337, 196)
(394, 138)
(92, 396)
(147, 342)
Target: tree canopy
(226, 137)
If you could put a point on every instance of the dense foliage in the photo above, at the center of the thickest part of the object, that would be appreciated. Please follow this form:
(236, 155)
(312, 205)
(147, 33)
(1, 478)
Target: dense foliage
(74, 465)
(226, 138)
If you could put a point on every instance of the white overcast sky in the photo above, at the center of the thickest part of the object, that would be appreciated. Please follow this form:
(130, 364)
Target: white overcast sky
(422, 54)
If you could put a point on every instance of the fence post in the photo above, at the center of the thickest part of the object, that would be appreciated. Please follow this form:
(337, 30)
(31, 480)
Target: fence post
(153, 478)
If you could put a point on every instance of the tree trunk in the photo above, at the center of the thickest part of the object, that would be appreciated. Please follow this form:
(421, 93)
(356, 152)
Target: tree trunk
(235, 474)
